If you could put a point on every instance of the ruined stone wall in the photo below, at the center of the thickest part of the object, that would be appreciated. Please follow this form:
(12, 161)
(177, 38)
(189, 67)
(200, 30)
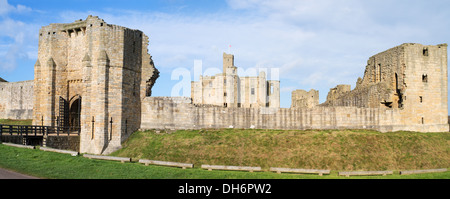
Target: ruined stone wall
(16, 100)
(305, 99)
(180, 113)
(411, 78)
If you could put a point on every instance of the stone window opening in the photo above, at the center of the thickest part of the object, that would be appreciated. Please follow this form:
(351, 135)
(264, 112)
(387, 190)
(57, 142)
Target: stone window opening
(225, 105)
(379, 72)
(253, 91)
(101, 24)
(423, 122)
(425, 78)
(421, 99)
(425, 52)
(387, 104)
(225, 94)
(134, 88)
(92, 131)
(399, 94)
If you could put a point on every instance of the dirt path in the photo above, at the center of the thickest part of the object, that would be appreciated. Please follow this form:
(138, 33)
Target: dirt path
(6, 174)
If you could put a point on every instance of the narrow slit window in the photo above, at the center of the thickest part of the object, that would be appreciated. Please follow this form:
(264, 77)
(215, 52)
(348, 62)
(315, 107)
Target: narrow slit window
(421, 99)
(424, 78)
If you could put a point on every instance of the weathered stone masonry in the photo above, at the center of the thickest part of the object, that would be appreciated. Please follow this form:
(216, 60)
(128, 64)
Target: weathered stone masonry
(16, 100)
(101, 71)
(411, 78)
(180, 113)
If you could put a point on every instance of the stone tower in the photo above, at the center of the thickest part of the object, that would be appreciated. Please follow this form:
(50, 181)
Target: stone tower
(228, 64)
(100, 73)
(227, 89)
(410, 79)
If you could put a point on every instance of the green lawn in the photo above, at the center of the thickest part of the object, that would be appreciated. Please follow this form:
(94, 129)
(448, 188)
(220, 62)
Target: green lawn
(63, 166)
(16, 122)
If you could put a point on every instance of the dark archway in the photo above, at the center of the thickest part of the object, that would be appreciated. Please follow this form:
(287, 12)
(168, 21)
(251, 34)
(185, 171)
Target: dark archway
(74, 114)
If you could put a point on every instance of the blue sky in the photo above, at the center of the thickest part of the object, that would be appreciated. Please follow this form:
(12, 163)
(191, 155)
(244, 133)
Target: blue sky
(315, 44)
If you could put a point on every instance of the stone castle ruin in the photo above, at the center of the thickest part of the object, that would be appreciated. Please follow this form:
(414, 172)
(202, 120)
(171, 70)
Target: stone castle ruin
(229, 90)
(410, 78)
(96, 78)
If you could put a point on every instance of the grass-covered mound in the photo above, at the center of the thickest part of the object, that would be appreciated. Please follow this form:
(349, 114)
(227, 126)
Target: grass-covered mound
(314, 149)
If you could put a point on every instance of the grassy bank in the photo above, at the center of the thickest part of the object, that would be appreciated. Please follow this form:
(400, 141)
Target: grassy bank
(348, 150)
(336, 150)
(63, 166)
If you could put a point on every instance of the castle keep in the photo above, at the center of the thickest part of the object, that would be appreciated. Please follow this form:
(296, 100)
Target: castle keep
(229, 90)
(96, 78)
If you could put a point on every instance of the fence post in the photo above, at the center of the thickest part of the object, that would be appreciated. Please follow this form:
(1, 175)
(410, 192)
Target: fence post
(45, 136)
(26, 134)
(110, 134)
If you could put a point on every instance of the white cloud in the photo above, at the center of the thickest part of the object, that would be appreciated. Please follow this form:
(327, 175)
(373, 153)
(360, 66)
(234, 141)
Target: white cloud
(6, 8)
(17, 39)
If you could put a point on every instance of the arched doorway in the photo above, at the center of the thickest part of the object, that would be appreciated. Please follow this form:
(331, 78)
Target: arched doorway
(75, 113)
